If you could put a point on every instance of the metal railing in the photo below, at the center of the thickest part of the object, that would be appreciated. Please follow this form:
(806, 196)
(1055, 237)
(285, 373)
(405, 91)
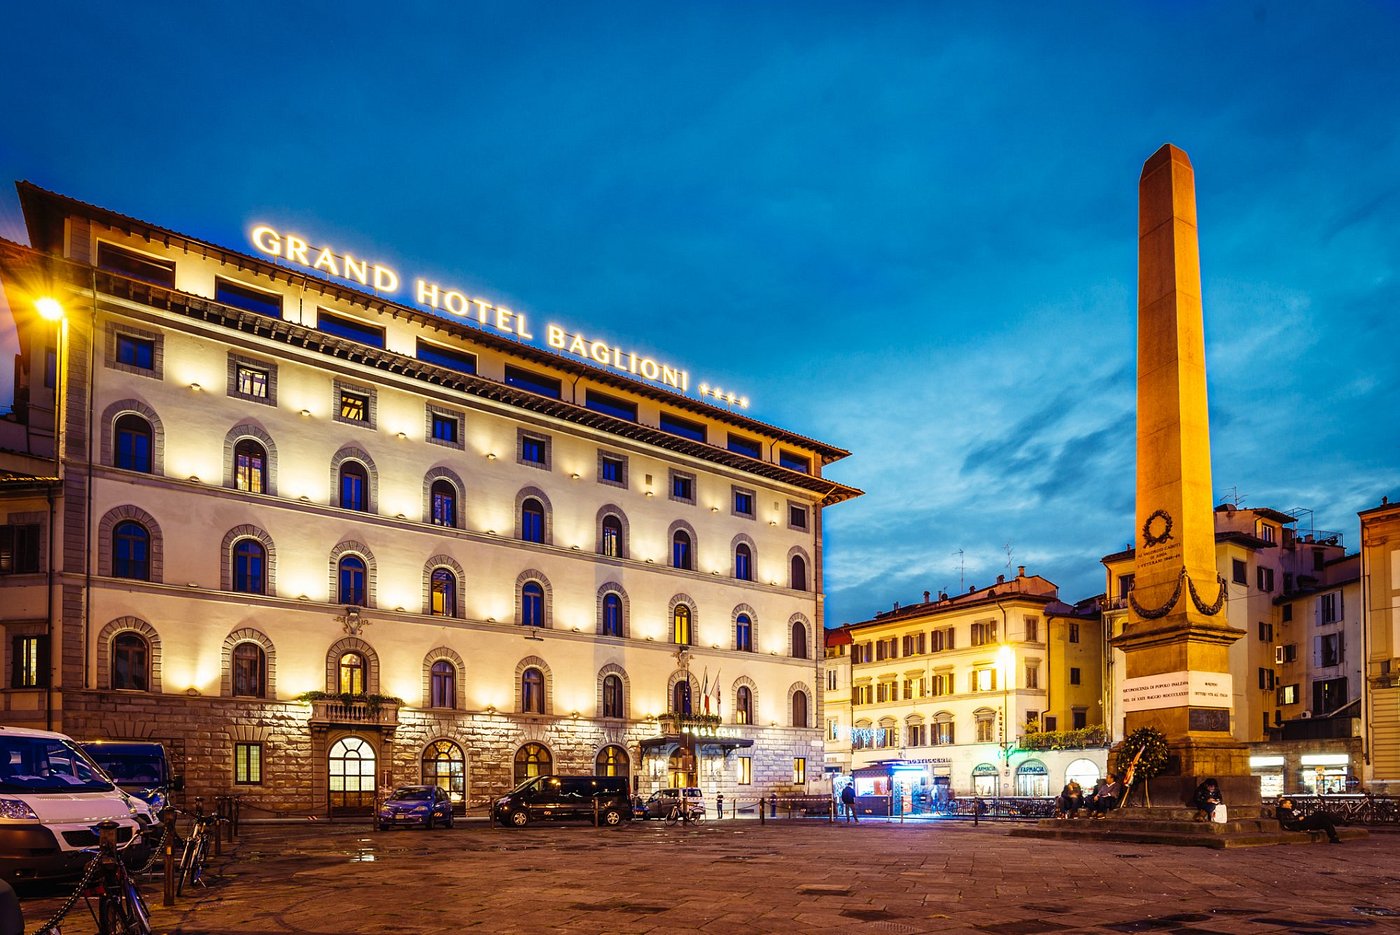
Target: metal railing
(1355, 808)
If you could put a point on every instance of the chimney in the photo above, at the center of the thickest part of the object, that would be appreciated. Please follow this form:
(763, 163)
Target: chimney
(1001, 579)
(1020, 571)
(896, 606)
(926, 596)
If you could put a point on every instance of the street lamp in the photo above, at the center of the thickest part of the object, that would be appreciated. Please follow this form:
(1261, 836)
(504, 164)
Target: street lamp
(51, 310)
(1005, 658)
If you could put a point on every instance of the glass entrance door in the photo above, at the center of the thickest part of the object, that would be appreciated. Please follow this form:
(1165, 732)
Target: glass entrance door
(351, 767)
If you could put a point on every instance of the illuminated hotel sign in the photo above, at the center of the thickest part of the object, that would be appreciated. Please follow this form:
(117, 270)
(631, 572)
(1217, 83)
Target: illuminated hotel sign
(383, 279)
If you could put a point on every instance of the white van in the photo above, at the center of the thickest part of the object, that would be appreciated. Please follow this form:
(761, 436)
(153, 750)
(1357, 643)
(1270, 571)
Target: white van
(51, 796)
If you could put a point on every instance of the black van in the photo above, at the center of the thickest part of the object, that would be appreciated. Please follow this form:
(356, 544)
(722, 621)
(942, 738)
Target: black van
(141, 768)
(566, 798)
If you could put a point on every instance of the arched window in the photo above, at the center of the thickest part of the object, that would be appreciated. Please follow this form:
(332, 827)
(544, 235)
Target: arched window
(680, 697)
(743, 705)
(743, 632)
(444, 766)
(799, 640)
(442, 685)
(133, 447)
(250, 466)
(352, 669)
(612, 614)
(799, 709)
(798, 579)
(532, 604)
(743, 562)
(532, 760)
(613, 545)
(612, 760)
(130, 663)
(353, 578)
(532, 520)
(444, 504)
(532, 691)
(612, 697)
(249, 567)
(131, 551)
(680, 550)
(680, 625)
(249, 664)
(354, 487)
(442, 593)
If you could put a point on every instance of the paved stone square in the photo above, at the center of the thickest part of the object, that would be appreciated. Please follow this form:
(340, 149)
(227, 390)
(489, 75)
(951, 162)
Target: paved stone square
(785, 876)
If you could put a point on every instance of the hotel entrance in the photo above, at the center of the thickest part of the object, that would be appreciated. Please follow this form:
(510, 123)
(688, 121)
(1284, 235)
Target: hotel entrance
(350, 766)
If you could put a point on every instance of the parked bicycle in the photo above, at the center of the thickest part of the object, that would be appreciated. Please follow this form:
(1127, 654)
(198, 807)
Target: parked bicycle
(107, 889)
(685, 812)
(196, 851)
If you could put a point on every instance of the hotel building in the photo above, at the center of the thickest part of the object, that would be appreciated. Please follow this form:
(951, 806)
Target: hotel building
(319, 541)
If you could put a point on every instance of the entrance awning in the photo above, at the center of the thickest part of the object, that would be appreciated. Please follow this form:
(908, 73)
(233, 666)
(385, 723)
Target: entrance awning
(685, 740)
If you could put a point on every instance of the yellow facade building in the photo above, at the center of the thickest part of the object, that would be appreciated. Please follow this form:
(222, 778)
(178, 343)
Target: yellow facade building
(1380, 599)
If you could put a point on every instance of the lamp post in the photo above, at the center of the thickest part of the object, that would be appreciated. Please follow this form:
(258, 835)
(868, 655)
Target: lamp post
(1005, 658)
(51, 310)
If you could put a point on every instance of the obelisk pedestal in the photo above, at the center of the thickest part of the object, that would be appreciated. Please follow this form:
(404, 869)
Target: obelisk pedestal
(1176, 641)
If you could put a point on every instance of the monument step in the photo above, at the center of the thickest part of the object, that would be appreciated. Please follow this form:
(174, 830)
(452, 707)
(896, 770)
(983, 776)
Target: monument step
(1103, 831)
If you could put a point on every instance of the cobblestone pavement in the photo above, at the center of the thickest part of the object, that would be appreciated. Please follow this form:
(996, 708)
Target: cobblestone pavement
(742, 877)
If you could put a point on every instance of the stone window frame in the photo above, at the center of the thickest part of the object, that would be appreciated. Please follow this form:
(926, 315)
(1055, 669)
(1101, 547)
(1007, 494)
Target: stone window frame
(355, 453)
(806, 514)
(122, 407)
(231, 538)
(351, 547)
(679, 526)
(807, 625)
(744, 681)
(432, 409)
(534, 662)
(734, 491)
(798, 551)
(339, 387)
(109, 633)
(734, 627)
(442, 560)
(671, 476)
(352, 644)
(792, 693)
(523, 494)
(676, 601)
(122, 513)
(40, 519)
(235, 361)
(984, 716)
(678, 676)
(444, 654)
(442, 472)
(614, 587)
(258, 434)
(264, 642)
(613, 668)
(521, 434)
(109, 349)
(537, 576)
(616, 456)
(616, 745)
(612, 509)
(743, 538)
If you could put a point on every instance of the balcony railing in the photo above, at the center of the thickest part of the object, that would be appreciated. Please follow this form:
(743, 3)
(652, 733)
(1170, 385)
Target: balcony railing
(355, 713)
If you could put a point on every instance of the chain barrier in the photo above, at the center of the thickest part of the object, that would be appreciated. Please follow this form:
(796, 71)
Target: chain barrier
(67, 907)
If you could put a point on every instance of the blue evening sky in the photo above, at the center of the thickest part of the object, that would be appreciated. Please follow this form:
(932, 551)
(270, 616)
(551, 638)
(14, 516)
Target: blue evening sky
(908, 229)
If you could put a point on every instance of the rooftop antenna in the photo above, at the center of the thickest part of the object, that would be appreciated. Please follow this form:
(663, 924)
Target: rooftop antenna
(1234, 497)
(1009, 553)
(962, 568)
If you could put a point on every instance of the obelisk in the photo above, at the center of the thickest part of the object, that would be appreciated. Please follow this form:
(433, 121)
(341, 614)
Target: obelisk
(1176, 641)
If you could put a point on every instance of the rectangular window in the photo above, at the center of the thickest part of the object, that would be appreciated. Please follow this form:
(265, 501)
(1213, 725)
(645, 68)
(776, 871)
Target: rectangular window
(682, 487)
(612, 469)
(747, 447)
(743, 502)
(983, 633)
(1051, 722)
(745, 777)
(251, 382)
(1074, 676)
(794, 461)
(354, 407)
(1081, 718)
(534, 450)
(1266, 679)
(1265, 578)
(350, 329)
(1287, 653)
(247, 764)
(1266, 632)
(799, 770)
(675, 425)
(19, 549)
(1330, 607)
(610, 405)
(258, 301)
(1074, 633)
(135, 265)
(1288, 694)
(446, 428)
(983, 680)
(1033, 629)
(1329, 695)
(832, 729)
(1125, 584)
(797, 516)
(1239, 571)
(1318, 560)
(1328, 650)
(831, 680)
(29, 662)
(1266, 532)
(446, 357)
(136, 352)
(1287, 613)
(1032, 676)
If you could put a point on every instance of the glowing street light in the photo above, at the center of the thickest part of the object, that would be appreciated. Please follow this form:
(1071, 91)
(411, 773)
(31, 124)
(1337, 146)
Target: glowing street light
(49, 308)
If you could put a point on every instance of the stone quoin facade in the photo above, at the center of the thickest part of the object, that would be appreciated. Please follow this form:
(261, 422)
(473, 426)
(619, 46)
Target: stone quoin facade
(319, 542)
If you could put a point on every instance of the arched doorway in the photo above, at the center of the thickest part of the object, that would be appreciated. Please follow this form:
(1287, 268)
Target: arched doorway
(985, 780)
(351, 770)
(1083, 771)
(1032, 778)
(682, 768)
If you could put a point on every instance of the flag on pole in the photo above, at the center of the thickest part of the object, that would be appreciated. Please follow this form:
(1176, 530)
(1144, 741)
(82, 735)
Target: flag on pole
(718, 697)
(705, 689)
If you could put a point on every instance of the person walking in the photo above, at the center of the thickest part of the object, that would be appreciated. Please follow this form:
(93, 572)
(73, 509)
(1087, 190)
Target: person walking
(848, 802)
(1291, 819)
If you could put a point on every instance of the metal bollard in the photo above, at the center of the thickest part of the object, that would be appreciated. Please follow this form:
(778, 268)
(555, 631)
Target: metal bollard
(762, 819)
(167, 818)
(831, 811)
(595, 814)
(976, 811)
(218, 832)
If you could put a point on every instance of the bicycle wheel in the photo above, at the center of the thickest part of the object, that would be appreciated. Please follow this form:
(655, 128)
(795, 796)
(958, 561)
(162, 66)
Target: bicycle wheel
(182, 872)
(136, 906)
(673, 816)
(192, 867)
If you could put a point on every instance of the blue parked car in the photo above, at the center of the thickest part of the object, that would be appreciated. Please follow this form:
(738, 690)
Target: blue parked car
(427, 806)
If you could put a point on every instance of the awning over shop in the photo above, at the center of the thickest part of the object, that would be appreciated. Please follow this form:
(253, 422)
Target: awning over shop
(686, 740)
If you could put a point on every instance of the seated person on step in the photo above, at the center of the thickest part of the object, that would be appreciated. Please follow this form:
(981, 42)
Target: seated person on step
(1108, 796)
(1291, 819)
(1207, 798)
(1069, 801)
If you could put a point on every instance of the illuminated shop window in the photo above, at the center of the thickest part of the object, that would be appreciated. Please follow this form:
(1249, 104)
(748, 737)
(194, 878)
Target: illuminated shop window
(532, 760)
(29, 667)
(445, 766)
(744, 772)
(799, 770)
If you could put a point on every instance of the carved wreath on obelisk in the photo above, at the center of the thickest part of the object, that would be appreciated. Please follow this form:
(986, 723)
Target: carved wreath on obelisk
(1151, 538)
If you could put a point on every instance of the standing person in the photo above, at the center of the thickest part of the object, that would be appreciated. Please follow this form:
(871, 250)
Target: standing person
(1208, 798)
(848, 801)
(1291, 819)
(1107, 797)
